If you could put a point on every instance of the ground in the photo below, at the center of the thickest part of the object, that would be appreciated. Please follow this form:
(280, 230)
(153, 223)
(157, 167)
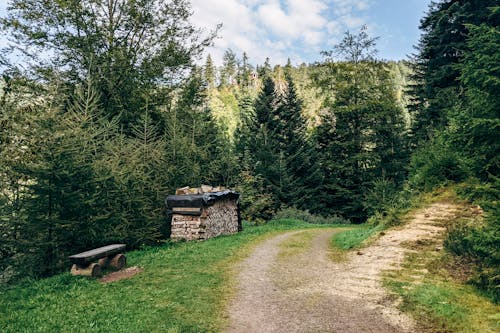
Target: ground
(291, 283)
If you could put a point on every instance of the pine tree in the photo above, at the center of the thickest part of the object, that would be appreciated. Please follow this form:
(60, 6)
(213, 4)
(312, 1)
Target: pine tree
(266, 69)
(229, 70)
(210, 72)
(441, 48)
(245, 72)
(62, 192)
(279, 148)
(360, 131)
(475, 124)
(300, 177)
(127, 47)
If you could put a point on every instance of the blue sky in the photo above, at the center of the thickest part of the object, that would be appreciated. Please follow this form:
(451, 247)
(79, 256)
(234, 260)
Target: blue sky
(300, 29)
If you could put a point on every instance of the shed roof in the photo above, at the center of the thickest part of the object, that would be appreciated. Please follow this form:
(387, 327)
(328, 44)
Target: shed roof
(200, 200)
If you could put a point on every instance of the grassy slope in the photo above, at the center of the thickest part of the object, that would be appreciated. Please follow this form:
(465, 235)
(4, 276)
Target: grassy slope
(184, 288)
(434, 289)
(354, 238)
(432, 284)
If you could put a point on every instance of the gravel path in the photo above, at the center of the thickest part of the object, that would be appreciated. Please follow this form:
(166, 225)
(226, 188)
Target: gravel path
(308, 292)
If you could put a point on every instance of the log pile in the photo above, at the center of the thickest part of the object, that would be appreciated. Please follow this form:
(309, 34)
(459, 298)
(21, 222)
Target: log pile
(215, 217)
(220, 219)
(199, 190)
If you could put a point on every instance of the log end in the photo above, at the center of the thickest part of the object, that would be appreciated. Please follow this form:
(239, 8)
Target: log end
(119, 261)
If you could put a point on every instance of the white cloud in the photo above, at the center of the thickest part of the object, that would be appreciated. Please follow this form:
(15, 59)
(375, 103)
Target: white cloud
(351, 21)
(277, 28)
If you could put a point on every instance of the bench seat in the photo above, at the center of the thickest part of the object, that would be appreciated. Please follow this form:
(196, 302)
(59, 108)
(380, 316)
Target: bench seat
(88, 257)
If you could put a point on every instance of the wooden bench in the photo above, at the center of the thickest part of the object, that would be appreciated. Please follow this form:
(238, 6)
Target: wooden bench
(107, 256)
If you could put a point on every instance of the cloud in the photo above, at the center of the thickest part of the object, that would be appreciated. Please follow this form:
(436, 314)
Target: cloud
(278, 29)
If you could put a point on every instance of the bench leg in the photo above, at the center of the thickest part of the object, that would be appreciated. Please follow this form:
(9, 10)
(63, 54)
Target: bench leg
(104, 262)
(119, 261)
(92, 270)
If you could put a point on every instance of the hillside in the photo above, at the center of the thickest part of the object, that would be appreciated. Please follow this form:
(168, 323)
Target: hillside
(203, 287)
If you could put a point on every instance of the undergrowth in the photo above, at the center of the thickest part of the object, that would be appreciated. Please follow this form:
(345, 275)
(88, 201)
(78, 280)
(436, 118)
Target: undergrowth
(354, 238)
(306, 216)
(184, 288)
(435, 284)
(436, 296)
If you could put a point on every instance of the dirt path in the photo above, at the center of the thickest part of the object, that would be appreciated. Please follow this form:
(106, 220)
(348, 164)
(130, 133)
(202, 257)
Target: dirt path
(308, 292)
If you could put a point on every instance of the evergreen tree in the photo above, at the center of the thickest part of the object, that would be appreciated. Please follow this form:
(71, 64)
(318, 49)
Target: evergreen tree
(126, 47)
(441, 47)
(359, 138)
(265, 103)
(245, 73)
(300, 176)
(266, 69)
(60, 201)
(229, 70)
(279, 147)
(475, 124)
(210, 72)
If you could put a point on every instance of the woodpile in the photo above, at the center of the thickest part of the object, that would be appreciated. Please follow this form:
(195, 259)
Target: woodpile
(204, 212)
(199, 190)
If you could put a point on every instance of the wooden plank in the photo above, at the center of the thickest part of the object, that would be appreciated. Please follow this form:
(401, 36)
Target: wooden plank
(206, 188)
(92, 255)
(187, 210)
(183, 190)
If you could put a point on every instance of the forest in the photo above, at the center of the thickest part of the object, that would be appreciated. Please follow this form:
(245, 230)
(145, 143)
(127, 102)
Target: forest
(112, 109)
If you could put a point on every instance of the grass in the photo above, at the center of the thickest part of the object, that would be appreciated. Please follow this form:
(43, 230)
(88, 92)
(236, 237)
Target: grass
(361, 235)
(353, 238)
(432, 286)
(437, 300)
(295, 244)
(184, 288)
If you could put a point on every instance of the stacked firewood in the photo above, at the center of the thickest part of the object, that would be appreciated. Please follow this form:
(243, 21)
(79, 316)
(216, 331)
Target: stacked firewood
(193, 223)
(220, 219)
(187, 227)
(199, 190)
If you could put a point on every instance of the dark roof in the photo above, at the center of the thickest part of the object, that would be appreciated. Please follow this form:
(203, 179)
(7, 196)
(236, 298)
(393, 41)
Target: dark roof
(200, 200)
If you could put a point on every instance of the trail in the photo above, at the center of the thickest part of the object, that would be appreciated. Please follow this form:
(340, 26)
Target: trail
(309, 292)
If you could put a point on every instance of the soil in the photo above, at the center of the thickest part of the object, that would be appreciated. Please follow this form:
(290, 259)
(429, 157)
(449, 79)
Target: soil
(121, 274)
(309, 292)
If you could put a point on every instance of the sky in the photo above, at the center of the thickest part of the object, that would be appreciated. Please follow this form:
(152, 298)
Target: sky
(301, 29)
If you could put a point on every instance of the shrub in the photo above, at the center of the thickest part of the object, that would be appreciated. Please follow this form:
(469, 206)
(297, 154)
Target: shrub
(256, 203)
(388, 218)
(436, 165)
(479, 239)
(481, 242)
(304, 215)
(382, 195)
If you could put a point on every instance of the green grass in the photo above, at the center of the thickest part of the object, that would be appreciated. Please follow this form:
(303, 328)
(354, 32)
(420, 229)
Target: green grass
(439, 302)
(433, 289)
(295, 244)
(354, 238)
(184, 288)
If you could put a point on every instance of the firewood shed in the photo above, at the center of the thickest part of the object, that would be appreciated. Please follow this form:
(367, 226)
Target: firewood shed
(199, 214)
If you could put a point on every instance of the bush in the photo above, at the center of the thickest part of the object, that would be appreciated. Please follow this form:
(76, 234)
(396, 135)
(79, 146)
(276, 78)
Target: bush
(481, 242)
(436, 165)
(306, 216)
(485, 194)
(479, 239)
(256, 203)
(382, 195)
(388, 218)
